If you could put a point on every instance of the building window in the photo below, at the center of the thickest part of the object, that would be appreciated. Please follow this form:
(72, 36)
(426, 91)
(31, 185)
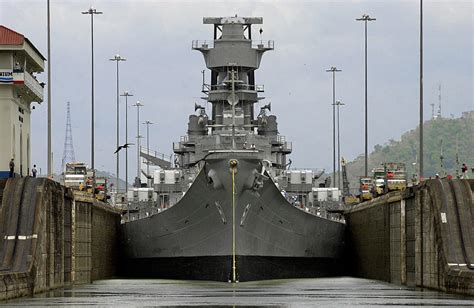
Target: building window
(20, 118)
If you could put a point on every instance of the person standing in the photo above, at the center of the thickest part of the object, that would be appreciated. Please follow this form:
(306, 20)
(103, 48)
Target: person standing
(464, 169)
(12, 167)
(34, 171)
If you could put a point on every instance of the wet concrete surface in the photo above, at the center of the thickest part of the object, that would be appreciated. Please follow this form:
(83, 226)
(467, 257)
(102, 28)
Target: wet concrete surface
(321, 292)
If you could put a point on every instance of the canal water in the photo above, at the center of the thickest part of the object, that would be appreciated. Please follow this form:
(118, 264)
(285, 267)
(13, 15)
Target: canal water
(321, 292)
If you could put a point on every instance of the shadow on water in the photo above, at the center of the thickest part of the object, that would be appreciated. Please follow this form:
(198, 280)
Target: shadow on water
(321, 292)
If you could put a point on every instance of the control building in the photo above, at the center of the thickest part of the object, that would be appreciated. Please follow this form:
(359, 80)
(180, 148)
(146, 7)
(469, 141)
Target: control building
(19, 62)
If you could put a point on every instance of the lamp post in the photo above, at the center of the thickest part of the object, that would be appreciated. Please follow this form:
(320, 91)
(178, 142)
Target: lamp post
(50, 158)
(126, 94)
(338, 104)
(333, 70)
(92, 11)
(421, 93)
(138, 105)
(148, 123)
(117, 58)
(366, 18)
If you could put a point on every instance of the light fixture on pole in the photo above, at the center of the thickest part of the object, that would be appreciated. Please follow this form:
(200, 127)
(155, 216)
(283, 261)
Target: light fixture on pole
(92, 11)
(117, 58)
(366, 18)
(338, 104)
(420, 166)
(137, 179)
(50, 158)
(148, 123)
(333, 70)
(126, 94)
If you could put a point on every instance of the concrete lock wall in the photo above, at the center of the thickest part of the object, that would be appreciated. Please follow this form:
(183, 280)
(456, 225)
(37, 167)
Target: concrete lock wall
(50, 237)
(95, 227)
(422, 237)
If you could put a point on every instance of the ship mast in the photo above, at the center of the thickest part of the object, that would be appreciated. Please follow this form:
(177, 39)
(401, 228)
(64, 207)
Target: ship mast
(234, 100)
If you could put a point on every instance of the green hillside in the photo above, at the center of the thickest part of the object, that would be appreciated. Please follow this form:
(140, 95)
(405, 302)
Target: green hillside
(439, 133)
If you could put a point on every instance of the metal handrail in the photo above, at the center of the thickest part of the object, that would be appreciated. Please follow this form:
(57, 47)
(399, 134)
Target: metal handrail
(29, 81)
(238, 87)
(255, 44)
(155, 153)
(202, 44)
(260, 44)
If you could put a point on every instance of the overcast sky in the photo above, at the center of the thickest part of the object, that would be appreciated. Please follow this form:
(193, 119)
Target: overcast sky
(310, 36)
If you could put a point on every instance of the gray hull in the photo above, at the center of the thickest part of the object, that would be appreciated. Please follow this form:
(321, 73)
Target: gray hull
(194, 238)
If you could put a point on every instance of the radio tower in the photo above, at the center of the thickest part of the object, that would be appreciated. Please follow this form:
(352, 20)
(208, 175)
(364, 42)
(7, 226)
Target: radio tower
(68, 154)
(439, 101)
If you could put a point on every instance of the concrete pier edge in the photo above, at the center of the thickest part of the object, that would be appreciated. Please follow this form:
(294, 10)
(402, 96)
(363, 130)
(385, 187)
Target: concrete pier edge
(52, 237)
(420, 237)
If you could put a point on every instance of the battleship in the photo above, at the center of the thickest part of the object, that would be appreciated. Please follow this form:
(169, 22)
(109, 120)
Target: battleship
(231, 209)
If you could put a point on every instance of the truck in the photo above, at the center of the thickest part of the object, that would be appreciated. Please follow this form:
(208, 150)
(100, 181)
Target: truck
(78, 177)
(366, 188)
(101, 188)
(75, 175)
(392, 175)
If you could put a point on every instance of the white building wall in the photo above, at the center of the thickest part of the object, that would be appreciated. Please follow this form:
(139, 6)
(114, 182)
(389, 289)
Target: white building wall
(12, 129)
(7, 148)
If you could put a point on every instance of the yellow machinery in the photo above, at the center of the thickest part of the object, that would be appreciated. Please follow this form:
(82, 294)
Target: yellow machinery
(78, 177)
(366, 187)
(391, 175)
(101, 188)
(348, 198)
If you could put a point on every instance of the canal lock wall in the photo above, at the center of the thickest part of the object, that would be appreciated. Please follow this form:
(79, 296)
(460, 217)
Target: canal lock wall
(421, 237)
(51, 237)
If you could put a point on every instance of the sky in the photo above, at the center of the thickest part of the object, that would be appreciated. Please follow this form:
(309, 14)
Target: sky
(164, 73)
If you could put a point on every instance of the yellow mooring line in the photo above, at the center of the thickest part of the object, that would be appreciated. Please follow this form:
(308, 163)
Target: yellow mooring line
(234, 268)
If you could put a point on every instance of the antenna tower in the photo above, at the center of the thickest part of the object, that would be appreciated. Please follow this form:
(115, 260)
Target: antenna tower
(439, 101)
(68, 154)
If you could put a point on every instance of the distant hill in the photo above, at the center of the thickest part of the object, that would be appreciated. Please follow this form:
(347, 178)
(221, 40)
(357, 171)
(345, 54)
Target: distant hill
(439, 133)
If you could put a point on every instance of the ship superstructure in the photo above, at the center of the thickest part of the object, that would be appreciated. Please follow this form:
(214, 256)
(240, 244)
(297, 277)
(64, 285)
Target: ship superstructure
(232, 59)
(230, 209)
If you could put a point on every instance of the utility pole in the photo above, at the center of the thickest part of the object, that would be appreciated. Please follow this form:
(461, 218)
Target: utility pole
(333, 70)
(366, 18)
(338, 104)
(138, 105)
(50, 158)
(148, 123)
(92, 12)
(457, 158)
(421, 92)
(117, 58)
(441, 158)
(126, 94)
